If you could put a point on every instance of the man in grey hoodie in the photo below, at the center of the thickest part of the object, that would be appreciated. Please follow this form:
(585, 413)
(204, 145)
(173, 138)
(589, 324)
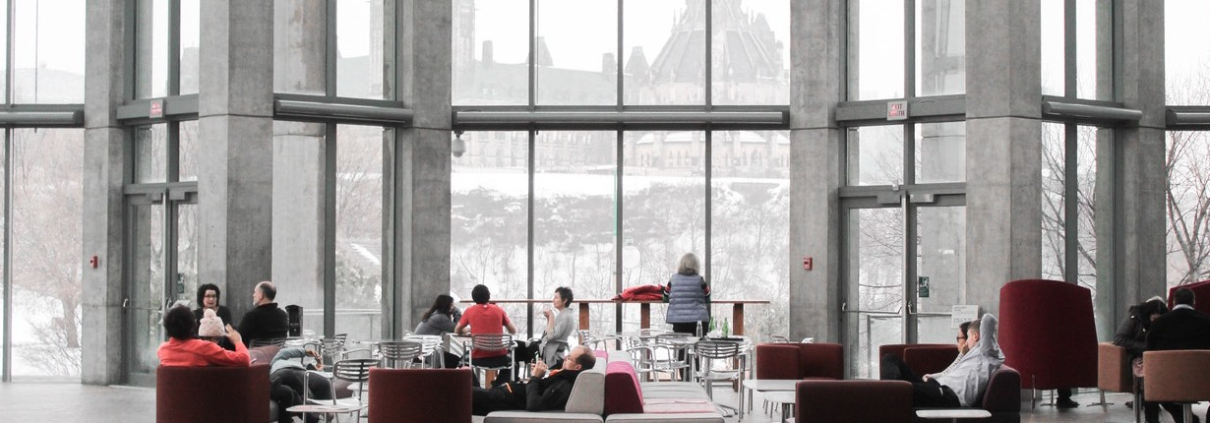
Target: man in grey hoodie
(964, 381)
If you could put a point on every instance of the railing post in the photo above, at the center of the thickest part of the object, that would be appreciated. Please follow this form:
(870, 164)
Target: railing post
(644, 315)
(737, 318)
(584, 323)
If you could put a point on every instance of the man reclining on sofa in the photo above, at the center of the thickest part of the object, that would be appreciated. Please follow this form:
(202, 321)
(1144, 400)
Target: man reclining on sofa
(963, 382)
(539, 393)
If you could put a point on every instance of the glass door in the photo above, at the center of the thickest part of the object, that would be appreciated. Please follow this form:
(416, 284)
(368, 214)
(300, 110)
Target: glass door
(904, 269)
(162, 270)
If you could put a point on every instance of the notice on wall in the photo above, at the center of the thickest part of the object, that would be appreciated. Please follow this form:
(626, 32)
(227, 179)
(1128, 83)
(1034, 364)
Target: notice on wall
(963, 313)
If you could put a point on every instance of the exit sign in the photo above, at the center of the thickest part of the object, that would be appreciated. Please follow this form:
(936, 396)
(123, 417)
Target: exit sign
(896, 110)
(157, 109)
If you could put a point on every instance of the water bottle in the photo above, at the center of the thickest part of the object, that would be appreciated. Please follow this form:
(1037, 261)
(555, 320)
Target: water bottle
(699, 330)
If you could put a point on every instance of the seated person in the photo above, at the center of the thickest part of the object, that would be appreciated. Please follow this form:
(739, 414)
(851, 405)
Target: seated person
(963, 382)
(184, 349)
(286, 379)
(208, 299)
(560, 324)
(542, 392)
(486, 319)
(439, 320)
(1183, 328)
(1132, 335)
(265, 322)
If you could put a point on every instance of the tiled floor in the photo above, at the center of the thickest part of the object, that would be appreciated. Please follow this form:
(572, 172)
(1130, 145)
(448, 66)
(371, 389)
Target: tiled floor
(72, 402)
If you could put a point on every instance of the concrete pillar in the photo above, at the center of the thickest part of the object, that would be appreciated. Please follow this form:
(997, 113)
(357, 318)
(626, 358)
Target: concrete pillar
(817, 26)
(105, 163)
(299, 150)
(1004, 158)
(416, 166)
(1137, 266)
(235, 154)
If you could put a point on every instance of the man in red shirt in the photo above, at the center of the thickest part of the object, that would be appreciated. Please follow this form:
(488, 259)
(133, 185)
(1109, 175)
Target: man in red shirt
(486, 319)
(184, 349)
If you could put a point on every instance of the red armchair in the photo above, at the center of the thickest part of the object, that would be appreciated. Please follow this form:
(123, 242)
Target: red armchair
(1048, 334)
(1201, 291)
(923, 359)
(853, 401)
(420, 395)
(212, 394)
(799, 361)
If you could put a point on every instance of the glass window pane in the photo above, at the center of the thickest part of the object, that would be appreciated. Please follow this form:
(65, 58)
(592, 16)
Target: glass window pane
(940, 257)
(751, 52)
(47, 201)
(574, 214)
(359, 231)
(940, 152)
(4, 63)
(299, 46)
(151, 49)
(1186, 54)
(1094, 43)
(187, 150)
(1085, 201)
(576, 41)
(299, 151)
(151, 153)
(1052, 48)
(875, 49)
(1188, 159)
(1053, 207)
(875, 279)
(48, 51)
(665, 59)
(3, 227)
(359, 44)
(490, 213)
(191, 20)
(875, 155)
(491, 51)
(749, 222)
(940, 47)
(664, 208)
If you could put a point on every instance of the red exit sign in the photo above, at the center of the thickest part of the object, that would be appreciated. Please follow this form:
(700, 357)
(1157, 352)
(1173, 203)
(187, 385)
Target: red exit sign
(896, 110)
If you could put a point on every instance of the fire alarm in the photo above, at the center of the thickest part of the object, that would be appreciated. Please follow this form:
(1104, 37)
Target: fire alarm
(808, 263)
(94, 261)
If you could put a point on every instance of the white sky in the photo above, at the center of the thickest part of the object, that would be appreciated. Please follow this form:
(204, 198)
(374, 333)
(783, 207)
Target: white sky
(579, 31)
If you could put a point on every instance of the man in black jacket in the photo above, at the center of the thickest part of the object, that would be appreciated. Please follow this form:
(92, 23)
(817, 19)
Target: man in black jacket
(1183, 328)
(542, 392)
(266, 321)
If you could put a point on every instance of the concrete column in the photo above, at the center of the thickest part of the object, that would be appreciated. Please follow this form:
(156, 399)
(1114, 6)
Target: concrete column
(235, 154)
(416, 166)
(1004, 154)
(105, 163)
(299, 150)
(1136, 235)
(817, 84)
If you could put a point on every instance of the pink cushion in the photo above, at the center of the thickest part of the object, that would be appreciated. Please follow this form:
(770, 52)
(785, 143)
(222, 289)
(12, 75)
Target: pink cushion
(622, 391)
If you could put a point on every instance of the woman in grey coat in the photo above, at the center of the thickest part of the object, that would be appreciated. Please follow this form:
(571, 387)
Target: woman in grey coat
(688, 297)
(439, 320)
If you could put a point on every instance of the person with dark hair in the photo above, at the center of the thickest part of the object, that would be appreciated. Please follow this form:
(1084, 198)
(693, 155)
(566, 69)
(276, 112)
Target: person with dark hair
(439, 320)
(688, 297)
(266, 321)
(553, 343)
(486, 319)
(1132, 335)
(208, 296)
(185, 349)
(544, 390)
(1183, 328)
(288, 380)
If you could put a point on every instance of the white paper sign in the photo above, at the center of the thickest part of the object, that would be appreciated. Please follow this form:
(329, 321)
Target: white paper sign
(963, 313)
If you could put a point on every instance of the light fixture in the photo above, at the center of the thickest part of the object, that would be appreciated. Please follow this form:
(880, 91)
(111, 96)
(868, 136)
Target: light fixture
(457, 145)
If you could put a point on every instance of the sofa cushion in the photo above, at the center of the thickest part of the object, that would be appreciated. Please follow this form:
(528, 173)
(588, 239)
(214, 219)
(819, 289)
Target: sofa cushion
(402, 394)
(887, 401)
(588, 393)
(622, 391)
(678, 406)
(929, 359)
(205, 394)
(541, 416)
(712, 417)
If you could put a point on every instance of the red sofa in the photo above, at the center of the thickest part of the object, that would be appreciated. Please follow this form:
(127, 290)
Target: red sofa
(1048, 334)
(853, 401)
(428, 395)
(800, 361)
(923, 359)
(212, 394)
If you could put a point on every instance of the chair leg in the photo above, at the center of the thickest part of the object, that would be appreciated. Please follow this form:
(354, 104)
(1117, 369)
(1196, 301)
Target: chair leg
(1102, 403)
(1188, 408)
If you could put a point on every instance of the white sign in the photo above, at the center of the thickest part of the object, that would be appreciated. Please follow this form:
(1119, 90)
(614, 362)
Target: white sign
(896, 110)
(963, 313)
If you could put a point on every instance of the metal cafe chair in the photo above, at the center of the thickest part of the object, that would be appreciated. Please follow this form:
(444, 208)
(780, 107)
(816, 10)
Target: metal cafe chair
(732, 368)
(399, 354)
(492, 342)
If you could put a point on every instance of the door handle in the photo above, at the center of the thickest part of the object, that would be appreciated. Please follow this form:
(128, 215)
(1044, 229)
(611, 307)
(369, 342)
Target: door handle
(126, 303)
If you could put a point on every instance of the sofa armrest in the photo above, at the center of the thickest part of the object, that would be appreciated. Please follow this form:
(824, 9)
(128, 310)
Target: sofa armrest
(1113, 368)
(929, 359)
(1003, 391)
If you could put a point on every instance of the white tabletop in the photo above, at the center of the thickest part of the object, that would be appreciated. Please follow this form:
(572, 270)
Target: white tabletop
(953, 413)
(771, 384)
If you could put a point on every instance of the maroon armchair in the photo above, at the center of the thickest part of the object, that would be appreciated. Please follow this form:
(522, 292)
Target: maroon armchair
(1201, 292)
(1047, 333)
(923, 359)
(853, 401)
(212, 394)
(420, 395)
(799, 361)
